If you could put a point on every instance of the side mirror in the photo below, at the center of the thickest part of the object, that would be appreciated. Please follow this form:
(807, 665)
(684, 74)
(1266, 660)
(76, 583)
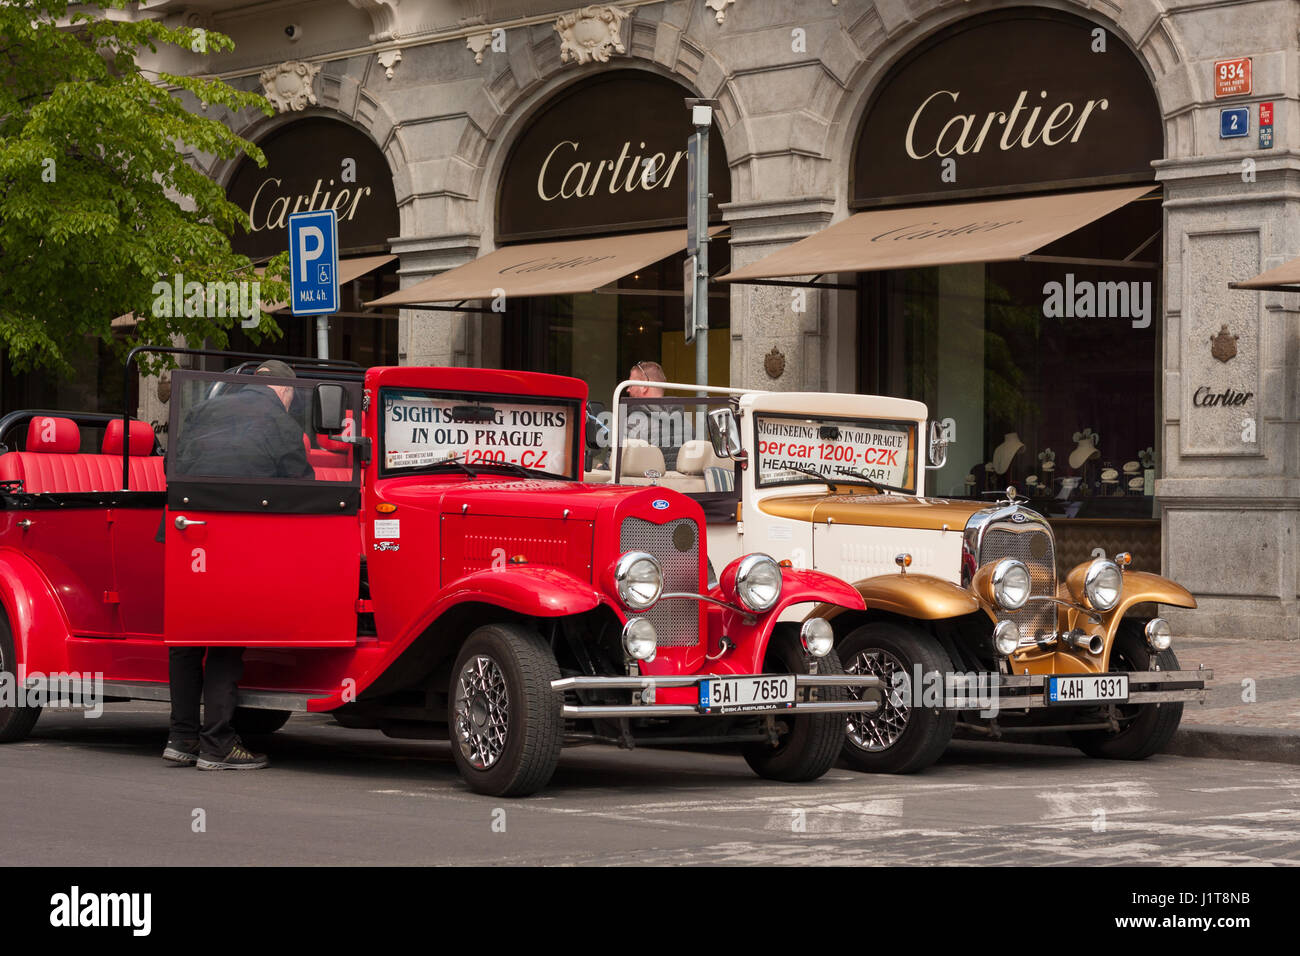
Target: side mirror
(938, 446)
(724, 433)
(327, 409)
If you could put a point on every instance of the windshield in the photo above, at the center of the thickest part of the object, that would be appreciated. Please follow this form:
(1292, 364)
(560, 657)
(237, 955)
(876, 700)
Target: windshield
(844, 450)
(424, 430)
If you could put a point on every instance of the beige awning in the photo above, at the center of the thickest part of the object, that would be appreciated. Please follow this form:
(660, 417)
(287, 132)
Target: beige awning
(349, 271)
(1285, 278)
(996, 230)
(564, 267)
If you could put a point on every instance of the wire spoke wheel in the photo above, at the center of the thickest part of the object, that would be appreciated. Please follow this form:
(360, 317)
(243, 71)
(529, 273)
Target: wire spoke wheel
(482, 712)
(876, 732)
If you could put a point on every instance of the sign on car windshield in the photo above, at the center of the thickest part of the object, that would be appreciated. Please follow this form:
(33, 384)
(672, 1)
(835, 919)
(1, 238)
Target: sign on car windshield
(422, 429)
(789, 447)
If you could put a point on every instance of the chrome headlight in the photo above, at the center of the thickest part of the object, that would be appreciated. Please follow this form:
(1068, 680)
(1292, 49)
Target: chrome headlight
(1006, 637)
(817, 636)
(1011, 584)
(1102, 584)
(640, 639)
(1159, 634)
(638, 580)
(758, 582)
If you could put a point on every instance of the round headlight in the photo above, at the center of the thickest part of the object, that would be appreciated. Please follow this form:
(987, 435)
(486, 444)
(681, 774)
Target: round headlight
(758, 582)
(1011, 584)
(1159, 634)
(1006, 637)
(1102, 585)
(638, 580)
(640, 639)
(817, 636)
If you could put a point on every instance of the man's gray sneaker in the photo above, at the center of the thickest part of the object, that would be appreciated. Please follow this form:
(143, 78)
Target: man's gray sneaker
(181, 754)
(237, 759)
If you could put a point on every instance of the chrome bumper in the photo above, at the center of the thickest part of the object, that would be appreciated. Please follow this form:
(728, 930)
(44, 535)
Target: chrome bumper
(1028, 691)
(801, 681)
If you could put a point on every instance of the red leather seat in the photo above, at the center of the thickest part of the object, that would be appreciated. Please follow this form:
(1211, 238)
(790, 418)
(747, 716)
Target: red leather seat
(145, 468)
(51, 461)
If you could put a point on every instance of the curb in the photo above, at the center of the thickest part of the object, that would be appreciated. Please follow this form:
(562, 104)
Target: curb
(1223, 742)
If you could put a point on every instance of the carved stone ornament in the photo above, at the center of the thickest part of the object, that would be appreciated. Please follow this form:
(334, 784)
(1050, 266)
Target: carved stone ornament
(477, 43)
(165, 386)
(389, 59)
(592, 33)
(289, 85)
(1224, 345)
(719, 7)
(774, 363)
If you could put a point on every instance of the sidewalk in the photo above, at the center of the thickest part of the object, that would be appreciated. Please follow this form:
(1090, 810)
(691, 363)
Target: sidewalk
(1253, 709)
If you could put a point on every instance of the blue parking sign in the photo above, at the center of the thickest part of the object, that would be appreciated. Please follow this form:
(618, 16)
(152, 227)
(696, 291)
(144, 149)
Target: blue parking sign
(314, 262)
(1234, 122)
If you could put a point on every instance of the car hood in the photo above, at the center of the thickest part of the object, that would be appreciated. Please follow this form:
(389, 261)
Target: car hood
(886, 511)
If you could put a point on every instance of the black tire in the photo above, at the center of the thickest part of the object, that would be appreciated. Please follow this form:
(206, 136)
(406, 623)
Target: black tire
(897, 738)
(254, 721)
(1145, 728)
(15, 722)
(810, 744)
(523, 762)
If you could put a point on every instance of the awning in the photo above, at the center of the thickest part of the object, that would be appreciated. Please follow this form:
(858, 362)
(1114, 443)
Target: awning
(349, 271)
(912, 237)
(1285, 278)
(566, 267)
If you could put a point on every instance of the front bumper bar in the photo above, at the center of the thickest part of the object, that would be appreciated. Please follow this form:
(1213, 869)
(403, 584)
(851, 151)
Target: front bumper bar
(801, 682)
(1029, 691)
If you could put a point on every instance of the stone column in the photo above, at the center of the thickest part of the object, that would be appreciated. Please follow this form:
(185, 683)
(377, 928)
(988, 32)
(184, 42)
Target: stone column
(776, 326)
(428, 337)
(1229, 496)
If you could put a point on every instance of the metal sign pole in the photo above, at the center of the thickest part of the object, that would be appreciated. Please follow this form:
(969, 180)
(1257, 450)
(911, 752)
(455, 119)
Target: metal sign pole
(322, 336)
(695, 278)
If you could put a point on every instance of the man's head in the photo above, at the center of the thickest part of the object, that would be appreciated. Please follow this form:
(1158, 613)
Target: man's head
(646, 372)
(277, 369)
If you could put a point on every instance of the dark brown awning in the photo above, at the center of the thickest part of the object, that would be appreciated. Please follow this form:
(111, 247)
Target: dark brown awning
(566, 267)
(911, 237)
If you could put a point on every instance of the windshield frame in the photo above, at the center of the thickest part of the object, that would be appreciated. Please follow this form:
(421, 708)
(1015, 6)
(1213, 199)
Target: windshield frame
(835, 477)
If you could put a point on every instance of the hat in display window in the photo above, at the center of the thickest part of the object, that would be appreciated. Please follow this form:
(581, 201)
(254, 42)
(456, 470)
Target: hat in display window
(1047, 458)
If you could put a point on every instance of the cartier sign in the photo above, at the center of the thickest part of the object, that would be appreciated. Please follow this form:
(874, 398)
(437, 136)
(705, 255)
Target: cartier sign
(605, 156)
(1020, 100)
(315, 163)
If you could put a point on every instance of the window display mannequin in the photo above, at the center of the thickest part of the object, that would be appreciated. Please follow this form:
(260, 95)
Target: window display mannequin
(1086, 448)
(1005, 453)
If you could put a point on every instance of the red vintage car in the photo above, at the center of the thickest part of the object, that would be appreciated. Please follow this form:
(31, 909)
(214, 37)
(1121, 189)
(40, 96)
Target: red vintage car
(445, 573)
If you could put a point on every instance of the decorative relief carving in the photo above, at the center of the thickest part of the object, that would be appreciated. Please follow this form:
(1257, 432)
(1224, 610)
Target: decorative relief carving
(719, 7)
(1224, 345)
(592, 33)
(389, 59)
(477, 44)
(774, 363)
(289, 85)
(383, 18)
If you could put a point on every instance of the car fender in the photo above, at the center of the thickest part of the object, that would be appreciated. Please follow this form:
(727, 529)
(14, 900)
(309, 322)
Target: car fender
(36, 617)
(918, 596)
(797, 587)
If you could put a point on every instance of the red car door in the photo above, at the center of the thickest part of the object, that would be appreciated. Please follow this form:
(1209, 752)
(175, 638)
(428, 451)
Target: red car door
(253, 558)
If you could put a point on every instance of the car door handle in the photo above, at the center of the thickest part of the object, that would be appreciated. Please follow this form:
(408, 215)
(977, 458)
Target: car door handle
(183, 522)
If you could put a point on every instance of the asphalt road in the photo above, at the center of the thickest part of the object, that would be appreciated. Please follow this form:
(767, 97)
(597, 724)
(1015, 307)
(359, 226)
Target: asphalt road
(96, 792)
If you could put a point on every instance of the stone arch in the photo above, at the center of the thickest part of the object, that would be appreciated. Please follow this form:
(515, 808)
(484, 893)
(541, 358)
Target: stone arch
(511, 100)
(1143, 26)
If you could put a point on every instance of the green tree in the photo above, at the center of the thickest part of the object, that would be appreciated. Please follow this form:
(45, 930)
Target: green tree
(97, 202)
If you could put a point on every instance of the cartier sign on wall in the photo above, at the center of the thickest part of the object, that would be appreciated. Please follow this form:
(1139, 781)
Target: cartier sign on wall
(315, 163)
(607, 155)
(1021, 99)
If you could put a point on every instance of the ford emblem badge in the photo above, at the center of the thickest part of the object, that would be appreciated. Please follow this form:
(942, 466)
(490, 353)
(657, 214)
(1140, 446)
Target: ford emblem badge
(659, 504)
(1018, 518)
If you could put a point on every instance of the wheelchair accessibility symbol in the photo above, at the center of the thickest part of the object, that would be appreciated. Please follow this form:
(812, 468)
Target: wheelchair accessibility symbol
(323, 274)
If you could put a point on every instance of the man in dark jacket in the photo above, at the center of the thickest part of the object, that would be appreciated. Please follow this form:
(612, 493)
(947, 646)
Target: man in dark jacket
(249, 434)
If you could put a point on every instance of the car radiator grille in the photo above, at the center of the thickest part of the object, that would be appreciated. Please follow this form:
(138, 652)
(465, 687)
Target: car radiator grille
(1034, 546)
(677, 622)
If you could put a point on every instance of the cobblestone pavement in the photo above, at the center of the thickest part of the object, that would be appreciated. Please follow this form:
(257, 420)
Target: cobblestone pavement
(1267, 671)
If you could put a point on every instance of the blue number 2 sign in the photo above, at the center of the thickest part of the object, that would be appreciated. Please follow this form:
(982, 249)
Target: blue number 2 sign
(1234, 122)
(314, 262)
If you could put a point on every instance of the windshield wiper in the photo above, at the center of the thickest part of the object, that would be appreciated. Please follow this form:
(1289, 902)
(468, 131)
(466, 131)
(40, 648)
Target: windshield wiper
(854, 473)
(452, 460)
(813, 473)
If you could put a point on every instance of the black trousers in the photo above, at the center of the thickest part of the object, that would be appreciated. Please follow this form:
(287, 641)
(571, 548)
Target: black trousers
(214, 683)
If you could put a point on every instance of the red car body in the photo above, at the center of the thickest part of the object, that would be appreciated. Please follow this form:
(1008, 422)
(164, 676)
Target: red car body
(339, 610)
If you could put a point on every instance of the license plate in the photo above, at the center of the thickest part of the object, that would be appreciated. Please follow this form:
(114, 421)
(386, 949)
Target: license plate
(1087, 689)
(731, 695)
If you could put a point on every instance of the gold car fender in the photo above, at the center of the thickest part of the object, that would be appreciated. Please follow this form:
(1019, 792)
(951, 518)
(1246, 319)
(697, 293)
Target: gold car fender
(1140, 587)
(918, 596)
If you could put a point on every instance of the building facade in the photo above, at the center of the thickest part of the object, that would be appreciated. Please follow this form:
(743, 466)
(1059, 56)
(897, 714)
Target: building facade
(1105, 342)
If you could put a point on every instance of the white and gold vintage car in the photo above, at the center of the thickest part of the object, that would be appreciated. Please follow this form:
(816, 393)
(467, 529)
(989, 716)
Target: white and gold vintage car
(969, 621)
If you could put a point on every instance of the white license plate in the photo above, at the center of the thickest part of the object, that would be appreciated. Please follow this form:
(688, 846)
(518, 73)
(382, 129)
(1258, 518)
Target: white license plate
(1087, 689)
(729, 695)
